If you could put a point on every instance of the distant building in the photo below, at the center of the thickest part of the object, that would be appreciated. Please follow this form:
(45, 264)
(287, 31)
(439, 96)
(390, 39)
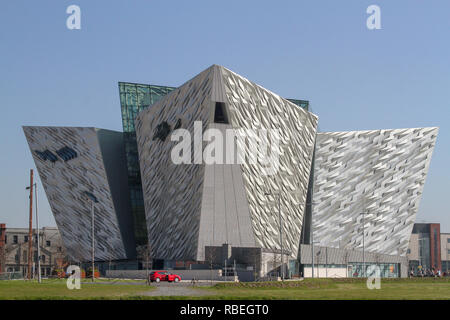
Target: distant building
(445, 252)
(428, 248)
(14, 250)
(2, 245)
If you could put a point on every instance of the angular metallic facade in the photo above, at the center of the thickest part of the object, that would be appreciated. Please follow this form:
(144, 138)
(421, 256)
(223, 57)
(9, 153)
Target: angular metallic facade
(252, 106)
(378, 172)
(73, 162)
(324, 181)
(190, 206)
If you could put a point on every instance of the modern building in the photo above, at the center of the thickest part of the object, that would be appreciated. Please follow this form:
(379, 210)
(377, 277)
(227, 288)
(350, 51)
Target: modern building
(165, 184)
(429, 249)
(331, 262)
(196, 204)
(445, 252)
(83, 171)
(134, 98)
(14, 256)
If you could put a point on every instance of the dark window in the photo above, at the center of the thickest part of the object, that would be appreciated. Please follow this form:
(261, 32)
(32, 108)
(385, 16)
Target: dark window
(161, 131)
(50, 156)
(41, 155)
(25, 238)
(60, 249)
(46, 155)
(448, 240)
(43, 259)
(15, 239)
(177, 125)
(66, 153)
(6, 239)
(47, 243)
(220, 115)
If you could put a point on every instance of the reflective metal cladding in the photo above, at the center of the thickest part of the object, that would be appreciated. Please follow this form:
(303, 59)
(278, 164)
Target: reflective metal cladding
(365, 186)
(190, 206)
(87, 164)
(369, 182)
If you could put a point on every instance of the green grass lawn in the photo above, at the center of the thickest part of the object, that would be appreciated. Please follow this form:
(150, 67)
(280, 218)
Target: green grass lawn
(330, 289)
(335, 289)
(57, 289)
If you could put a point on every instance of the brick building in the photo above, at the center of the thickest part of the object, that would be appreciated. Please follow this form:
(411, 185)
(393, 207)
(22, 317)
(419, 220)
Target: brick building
(429, 248)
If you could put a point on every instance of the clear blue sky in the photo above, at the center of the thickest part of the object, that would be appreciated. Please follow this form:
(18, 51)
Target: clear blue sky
(355, 78)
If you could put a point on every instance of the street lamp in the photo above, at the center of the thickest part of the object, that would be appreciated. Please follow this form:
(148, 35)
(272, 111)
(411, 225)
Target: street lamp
(281, 229)
(268, 193)
(312, 238)
(37, 227)
(93, 200)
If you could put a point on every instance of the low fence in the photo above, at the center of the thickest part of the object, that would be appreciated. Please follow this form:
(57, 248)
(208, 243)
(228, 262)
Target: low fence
(11, 275)
(203, 274)
(215, 274)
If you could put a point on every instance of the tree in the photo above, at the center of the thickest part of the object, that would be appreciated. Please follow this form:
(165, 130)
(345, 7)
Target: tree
(276, 264)
(211, 256)
(255, 254)
(2, 259)
(4, 252)
(144, 255)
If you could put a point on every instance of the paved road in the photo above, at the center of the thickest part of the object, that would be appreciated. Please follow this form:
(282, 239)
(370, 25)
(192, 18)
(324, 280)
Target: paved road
(183, 288)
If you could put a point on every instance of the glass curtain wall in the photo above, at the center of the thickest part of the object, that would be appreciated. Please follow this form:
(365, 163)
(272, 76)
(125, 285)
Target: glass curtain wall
(134, 98)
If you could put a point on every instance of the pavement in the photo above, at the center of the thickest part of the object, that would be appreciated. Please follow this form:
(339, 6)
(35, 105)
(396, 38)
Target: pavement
(183, 288)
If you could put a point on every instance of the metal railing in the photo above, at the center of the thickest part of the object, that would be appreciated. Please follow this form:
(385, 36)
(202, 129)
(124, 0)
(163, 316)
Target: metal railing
(11, 275)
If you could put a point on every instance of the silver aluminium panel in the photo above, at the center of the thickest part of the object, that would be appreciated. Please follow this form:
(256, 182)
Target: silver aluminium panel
(190, 206)
(254, 107)
(379, 172)
(66, 178)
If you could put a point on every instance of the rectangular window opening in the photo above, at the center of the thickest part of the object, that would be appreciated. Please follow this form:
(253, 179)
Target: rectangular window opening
(220, 114)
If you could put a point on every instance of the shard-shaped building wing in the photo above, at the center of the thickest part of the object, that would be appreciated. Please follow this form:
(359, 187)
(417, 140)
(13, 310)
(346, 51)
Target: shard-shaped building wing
(369, 182)
(190, 206)
(78, 167)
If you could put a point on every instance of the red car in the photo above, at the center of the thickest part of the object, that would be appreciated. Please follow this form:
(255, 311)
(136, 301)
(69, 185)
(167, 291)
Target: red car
(164, 276)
